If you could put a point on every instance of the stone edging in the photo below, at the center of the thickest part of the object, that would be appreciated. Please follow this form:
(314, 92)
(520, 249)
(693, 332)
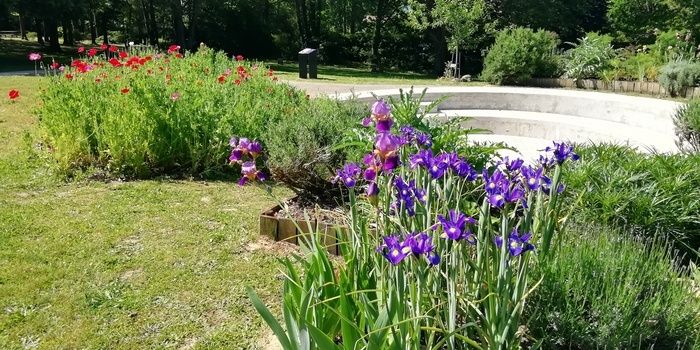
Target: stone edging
(640, 87)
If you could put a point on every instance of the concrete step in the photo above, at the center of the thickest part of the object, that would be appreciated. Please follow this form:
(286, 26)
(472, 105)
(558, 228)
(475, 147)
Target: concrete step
(551, 126)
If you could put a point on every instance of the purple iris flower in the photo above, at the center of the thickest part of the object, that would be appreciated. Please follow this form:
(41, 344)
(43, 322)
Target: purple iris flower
(422, 158)
(236, 155)
(497, 200)
(233, 142)
(517, 244)
(372, 189)
(454, 225)
(250, 173)
(408, 134)
(244, 144)
(420, 195)
(547, 185)
(381, 109)
(405, 196)
(370, 174)
(513, 165)
(367, 122)
(433, 259)
(463, 169)
(438, 166)
(496, 183)
(394, 250)
(386, 147)
(562, 152)
(349, 174)
(532, 177)
(391, 163)
(255, 149)
(384, 125)
(420, 243)
(424, 140)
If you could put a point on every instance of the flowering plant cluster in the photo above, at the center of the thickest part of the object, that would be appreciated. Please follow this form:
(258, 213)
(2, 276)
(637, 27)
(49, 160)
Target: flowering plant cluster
(142, 113)
(245, 153)
(440, 258)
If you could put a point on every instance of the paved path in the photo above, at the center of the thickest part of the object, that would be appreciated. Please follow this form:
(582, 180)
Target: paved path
(315, 88)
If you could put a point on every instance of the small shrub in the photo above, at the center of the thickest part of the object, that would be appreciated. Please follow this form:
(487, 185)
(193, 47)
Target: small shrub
(615, 185)
(301, 146)
(687, 122)
(589, 57)
(607, 291)
(520, 54)
(677, 76)
(631, 65)
(675, 45)
(150, 114)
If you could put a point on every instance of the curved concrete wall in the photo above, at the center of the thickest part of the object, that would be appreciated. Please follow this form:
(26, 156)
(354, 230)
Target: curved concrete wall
(553, 114)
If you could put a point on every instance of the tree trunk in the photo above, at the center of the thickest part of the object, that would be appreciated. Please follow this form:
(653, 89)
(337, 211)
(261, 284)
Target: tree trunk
(105, 29)
(40, 32)
(153, 26)
(178, 25)
(439, 42)
(377, 36)
(192, 42)
(67, 32)
(52, 29)
(303, 20)
(22, 33)
(93, 27)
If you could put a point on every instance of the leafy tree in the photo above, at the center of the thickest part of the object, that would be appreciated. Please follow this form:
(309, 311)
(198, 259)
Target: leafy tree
(636, 21)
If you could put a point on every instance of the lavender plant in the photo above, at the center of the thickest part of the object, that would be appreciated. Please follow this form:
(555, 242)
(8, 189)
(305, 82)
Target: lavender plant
(436, 255)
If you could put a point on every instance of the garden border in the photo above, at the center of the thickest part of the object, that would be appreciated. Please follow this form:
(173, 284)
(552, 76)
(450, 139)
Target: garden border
(623, 86)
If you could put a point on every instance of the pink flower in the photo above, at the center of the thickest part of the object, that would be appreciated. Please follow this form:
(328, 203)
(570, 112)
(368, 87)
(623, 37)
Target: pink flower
(34, 56)
(239, 58)
(175, 96)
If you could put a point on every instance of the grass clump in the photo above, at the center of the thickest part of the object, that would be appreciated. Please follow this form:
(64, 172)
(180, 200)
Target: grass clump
(687, 122)
(605, 290)
(618, 186)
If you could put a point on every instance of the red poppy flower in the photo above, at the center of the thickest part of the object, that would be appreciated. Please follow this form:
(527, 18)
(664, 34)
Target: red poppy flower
(222, 79)
(69, 76)
(81, 49)
(113, 48)
(55, 65)
(125, 90)
(239, 58)
(14, 94)
(271, 72)
(173, 48)
(238, 82)
(115, 62)
(92, 52)
(123, 54)
(103, 47)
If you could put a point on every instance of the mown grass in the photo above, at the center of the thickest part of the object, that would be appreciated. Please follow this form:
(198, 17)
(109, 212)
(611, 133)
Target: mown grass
(361, 75)
(123, 265)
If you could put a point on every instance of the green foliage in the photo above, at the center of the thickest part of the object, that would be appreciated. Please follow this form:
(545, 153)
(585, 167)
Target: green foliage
(677, 76)
(605, 290)
(301, 147)
(687, 122)
(634, 21)
(675, 45)
(169, 115)
(651, 193)
(631, 65)
(520, 54)
(589, 57)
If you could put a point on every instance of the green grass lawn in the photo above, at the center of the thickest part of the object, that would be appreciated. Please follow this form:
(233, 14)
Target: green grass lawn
(348, 75)
(14, 54)
(123, 265)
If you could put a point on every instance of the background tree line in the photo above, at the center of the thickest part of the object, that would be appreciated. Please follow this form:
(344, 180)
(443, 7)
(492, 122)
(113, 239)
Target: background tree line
(413, 35)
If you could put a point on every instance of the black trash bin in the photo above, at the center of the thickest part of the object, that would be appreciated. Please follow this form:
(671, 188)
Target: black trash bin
(308, 63)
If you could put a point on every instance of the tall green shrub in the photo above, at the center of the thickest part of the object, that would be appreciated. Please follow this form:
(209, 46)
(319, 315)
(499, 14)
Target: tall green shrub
(520, 54)
(605, 290)
(589, 57)
(301, 146)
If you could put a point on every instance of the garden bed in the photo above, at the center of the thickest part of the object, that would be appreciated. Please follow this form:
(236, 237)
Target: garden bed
(297, 221)
(640, 87)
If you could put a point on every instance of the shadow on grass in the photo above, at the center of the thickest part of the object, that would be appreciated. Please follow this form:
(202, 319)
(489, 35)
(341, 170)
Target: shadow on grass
(14, 54)
(351, 72)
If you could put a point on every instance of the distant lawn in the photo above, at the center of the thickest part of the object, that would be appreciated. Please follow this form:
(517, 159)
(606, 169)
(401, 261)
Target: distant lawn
(123, 265)
(13, 54)
(337, 74)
